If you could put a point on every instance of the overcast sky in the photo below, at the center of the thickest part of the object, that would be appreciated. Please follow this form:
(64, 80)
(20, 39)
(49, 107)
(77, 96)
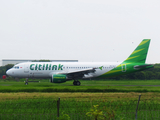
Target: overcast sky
(84, 30)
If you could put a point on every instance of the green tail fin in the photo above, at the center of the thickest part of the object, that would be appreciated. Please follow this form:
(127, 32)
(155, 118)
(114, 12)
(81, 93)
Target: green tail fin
(140, 53)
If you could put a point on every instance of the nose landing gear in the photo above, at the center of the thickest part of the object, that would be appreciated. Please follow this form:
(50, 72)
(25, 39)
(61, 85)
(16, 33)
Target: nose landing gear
(26, 83)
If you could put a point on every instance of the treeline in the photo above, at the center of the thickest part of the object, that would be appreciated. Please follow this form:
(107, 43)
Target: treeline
(3, 69)
(152, 73)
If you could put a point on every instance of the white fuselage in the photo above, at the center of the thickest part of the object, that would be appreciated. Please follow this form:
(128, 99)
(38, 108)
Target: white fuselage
(47, 69)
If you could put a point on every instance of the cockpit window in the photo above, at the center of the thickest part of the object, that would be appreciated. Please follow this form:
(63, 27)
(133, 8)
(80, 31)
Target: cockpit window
(16, 67)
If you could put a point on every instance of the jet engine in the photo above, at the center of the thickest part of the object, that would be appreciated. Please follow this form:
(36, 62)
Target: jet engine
(58, 78)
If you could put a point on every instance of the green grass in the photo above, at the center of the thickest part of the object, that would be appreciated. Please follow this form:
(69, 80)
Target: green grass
(39, 100)
(47, 109)
(86, 86)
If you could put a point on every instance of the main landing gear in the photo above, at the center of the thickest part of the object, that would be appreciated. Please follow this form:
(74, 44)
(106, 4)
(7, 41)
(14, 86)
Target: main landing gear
(76, 82)
(26, 83)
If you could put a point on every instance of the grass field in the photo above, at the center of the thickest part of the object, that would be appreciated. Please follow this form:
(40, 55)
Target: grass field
(40, 106)
(117, 98)
(86, 86)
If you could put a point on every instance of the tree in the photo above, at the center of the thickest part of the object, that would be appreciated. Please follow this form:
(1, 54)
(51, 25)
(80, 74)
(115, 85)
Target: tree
(8, 66)
(41, 61)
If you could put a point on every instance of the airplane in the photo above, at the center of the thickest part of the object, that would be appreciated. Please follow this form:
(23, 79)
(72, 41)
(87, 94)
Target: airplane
(60, 72)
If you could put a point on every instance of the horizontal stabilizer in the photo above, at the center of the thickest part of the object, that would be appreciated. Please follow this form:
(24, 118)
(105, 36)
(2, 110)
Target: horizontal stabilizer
(137, 67)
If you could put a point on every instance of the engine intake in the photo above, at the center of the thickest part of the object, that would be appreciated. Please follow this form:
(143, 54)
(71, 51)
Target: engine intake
(58, 78)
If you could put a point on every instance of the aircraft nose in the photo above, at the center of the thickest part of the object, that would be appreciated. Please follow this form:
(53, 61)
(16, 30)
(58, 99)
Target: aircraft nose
(8, 72)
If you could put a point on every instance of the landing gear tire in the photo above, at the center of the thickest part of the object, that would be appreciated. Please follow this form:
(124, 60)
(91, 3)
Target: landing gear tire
(77, 83)
(26, 83)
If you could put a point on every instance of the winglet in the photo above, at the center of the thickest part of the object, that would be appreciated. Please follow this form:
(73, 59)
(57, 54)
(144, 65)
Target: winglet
(140, 53)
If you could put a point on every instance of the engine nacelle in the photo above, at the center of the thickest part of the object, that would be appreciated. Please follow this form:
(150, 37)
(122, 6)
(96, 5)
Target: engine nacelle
(59, 78)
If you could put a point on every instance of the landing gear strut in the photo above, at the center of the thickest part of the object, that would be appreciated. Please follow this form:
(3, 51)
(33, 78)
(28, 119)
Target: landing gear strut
(26, 83)
(76, 82)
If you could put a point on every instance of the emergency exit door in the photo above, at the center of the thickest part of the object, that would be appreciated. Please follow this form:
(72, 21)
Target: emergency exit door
(26, 68)
(123, 67)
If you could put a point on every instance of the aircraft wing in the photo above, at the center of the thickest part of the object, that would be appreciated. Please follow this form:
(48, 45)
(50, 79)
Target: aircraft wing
(75, 74)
